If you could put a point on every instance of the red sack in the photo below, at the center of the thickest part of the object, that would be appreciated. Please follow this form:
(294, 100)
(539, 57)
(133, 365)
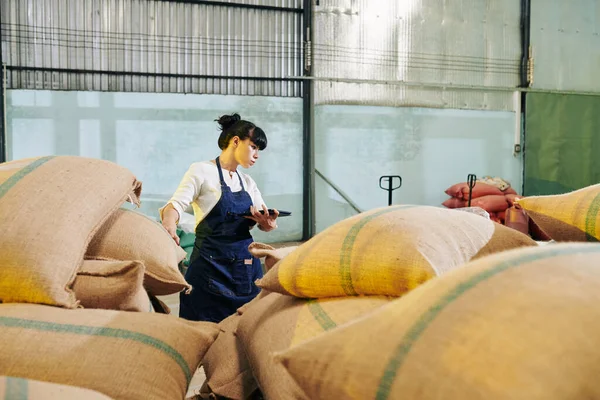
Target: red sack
(453, 202)
(501, 216)
(494, 217)
(461, 190)
(491, 203)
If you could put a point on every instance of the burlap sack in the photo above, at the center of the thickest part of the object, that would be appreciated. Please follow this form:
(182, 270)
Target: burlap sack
(277, 322)
(569, 217)
(271, 254)
(112, 285)
(50, 207)
(227, 370)
(388, 251)
(12, 388)
(129, 235)
(124, 355)
(517, 325)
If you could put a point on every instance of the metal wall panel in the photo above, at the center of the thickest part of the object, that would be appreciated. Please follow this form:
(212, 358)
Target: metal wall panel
(565, 38)
(153, 46)
(434, 43)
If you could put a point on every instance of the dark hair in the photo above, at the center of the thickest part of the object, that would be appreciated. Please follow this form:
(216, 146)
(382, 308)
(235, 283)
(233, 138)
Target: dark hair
(233, 125)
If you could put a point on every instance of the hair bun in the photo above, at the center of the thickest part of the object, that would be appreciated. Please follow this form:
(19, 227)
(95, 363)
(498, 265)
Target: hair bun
(227, 121)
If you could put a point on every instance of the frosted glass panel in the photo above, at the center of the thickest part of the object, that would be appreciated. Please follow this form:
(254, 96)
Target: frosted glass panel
(430, 149)
(157, 136)
(38, 138)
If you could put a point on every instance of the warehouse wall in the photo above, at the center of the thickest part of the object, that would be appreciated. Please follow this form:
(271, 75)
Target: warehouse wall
(430, 149)
(157, 136)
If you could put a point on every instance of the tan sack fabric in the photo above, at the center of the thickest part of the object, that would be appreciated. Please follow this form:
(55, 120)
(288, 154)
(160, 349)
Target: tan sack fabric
(227, 370)
(12, 388)
(276, 322)
(129, 235)
(112, 285)
(125, 355)
(569, 217)
(522, 324)
(388, 251)
(271, 254)
(50, 207)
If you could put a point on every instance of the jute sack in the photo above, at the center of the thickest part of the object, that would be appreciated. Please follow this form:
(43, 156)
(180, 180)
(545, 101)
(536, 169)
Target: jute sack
(388, 251)
(276, 322)
(121, 354)
(129, 235)
(517, 325)
(112, 285)
(271, 254)
(12, 388)
(50, 207)
(228, 373)
(571, 217)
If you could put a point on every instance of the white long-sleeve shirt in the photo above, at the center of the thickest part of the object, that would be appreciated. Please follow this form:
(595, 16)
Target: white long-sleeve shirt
(201, 187)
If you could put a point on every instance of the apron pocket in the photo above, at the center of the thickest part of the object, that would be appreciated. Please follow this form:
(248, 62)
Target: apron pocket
(220, 289)
(234, 280)
(242, 276)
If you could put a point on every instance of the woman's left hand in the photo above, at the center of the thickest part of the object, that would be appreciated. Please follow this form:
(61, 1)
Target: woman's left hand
(266, 222)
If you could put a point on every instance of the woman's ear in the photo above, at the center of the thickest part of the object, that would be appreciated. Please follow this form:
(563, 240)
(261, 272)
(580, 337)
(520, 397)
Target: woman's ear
(235, 140)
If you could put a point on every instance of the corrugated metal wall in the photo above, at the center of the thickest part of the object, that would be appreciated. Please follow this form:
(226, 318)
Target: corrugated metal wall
(153, 46)
(565, 37)
(437, 42)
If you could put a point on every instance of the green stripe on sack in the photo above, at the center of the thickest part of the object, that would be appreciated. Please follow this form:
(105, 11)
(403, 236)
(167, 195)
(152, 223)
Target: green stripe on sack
(590, 219)
(413, 334)
(320, 315)
(101, 332)
(13, 180)
(16, 389)
(346, 253)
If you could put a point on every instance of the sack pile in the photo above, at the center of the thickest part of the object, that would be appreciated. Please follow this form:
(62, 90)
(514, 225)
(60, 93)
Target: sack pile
(423, 302)
(497, 197)
(494, 195)
(351, 269)
(79, 276)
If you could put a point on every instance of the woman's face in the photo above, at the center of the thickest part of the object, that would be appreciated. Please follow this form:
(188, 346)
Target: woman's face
(246, 153)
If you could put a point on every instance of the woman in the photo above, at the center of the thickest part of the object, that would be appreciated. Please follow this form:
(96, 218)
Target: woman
(222, 271)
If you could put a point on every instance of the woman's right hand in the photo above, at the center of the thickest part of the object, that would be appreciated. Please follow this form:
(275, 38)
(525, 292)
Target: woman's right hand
(172, 230)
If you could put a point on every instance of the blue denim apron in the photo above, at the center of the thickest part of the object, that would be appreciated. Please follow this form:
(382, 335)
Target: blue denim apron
(222, 271)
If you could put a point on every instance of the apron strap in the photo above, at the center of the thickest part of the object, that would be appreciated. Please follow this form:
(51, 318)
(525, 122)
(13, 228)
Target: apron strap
(220, 171)
(221, 175)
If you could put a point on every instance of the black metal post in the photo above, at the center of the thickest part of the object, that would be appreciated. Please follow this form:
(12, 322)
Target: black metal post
(2, 116)
(524, 72)
(308, 193)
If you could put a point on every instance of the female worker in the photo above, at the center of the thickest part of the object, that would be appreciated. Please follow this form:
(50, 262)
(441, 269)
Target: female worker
(221, 270)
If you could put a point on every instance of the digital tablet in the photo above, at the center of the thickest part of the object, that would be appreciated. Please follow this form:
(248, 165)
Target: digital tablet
(281, 213)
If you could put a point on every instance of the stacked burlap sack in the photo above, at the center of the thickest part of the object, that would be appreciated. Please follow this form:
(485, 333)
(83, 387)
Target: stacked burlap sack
(427, 303)
(351, 270)
(568, 217)
(79, 276)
